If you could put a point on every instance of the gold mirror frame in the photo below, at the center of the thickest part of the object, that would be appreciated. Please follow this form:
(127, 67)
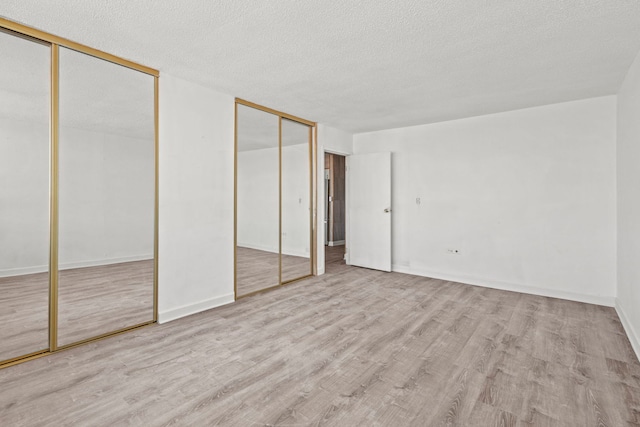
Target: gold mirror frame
(313, 132)
(55, 43)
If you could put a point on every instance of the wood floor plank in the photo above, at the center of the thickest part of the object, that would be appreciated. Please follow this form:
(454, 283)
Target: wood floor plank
(24, 314)
(489, 416)
(352, 347)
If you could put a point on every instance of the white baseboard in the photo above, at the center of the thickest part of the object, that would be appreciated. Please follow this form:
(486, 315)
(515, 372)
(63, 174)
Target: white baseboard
(99, 262)
(533, 290)
(258, 247)
(634, 338)
(337, 243)
(187, 310)
(22, 271)
(299, 253)
(69, 265)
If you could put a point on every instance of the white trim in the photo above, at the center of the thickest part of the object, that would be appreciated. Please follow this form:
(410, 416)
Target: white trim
(634, 338)
(10, 272)
(337, 243)
(69, 265)
(347, 208)
(99, 262)
(338, 152)
(505, 286)
(258, 247)
(302, 254)
(187, 310)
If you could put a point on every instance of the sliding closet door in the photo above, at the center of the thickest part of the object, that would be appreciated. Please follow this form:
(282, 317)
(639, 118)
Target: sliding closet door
(257, 209)
(24, 196)
(274, 197)
(106, 198)
(296, 200)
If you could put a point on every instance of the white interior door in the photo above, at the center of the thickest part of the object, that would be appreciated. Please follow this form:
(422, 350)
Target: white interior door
(369, 210)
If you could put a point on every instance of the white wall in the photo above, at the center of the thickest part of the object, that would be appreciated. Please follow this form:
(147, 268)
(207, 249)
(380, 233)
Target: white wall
(296, 238)
(335, 141)
(258, 199)
(628, 181)
(106, 198)
(24, 197)
(196, 198)
(527, 197)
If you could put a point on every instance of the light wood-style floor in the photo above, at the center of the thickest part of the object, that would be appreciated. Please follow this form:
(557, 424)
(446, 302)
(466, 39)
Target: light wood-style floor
(91, 301)
(97, 300)
(353, 347)
(24, 315)
(257, 270)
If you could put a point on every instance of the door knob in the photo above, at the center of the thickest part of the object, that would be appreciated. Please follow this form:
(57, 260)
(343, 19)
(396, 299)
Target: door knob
(387, 210)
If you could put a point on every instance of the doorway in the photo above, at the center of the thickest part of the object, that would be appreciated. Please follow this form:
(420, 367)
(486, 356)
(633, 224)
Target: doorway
(335, 209)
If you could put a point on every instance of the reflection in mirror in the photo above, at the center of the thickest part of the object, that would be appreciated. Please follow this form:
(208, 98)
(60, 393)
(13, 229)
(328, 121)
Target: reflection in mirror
(24, 196)
(296, 208)
(257, 210)
(106, 197)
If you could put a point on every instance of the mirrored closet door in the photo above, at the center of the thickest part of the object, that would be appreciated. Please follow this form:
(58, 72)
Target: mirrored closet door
(78, 194)
(273, 199)
(296, 200)
(106, 198)
(257, 203)
(24, 195)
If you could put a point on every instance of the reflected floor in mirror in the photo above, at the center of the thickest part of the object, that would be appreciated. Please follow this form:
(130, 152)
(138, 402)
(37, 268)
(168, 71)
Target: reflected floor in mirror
(98, 300)
(353, 347)
(295, 267)
(24, 314)
(257, 270)
(92, 301)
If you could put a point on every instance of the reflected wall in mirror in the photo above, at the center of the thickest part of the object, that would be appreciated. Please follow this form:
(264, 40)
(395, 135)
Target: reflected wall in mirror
(257, 209)
(296, 198)
(24, 196)
(106, 198)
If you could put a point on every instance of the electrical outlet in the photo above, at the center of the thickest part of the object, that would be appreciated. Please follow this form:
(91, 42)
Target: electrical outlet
(417, 200)
(453, 251)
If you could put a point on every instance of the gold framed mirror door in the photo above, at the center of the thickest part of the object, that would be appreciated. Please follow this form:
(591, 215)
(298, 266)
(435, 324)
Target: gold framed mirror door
(295, 200)
(273, 199)
(257, 200)
(105, 197)
(79, 200)
(24, 195)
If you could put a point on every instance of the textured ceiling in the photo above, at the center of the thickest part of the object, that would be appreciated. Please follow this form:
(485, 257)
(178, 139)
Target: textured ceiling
(24, 79)
(95, 95)
(258, 130)
(100, 96)
(362, 66)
